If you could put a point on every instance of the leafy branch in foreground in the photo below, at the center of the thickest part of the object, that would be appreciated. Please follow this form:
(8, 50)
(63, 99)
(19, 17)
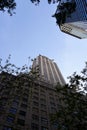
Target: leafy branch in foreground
(8, 5)
(72, 110)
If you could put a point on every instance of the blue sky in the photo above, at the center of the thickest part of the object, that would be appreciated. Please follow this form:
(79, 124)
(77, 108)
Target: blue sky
(32, 31)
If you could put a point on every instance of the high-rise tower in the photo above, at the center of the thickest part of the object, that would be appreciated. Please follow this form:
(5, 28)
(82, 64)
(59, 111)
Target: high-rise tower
(25, 103)
(49, 71)
(71, 16)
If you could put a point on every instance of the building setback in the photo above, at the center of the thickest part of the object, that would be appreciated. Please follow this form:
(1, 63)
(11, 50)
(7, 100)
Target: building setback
(27, 105)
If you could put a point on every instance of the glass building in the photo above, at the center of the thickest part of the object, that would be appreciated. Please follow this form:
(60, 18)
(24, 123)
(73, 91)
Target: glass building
(73, 18)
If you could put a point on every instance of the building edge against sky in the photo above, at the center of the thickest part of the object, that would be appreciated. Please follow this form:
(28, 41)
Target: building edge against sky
(49, 71)
(76, 24)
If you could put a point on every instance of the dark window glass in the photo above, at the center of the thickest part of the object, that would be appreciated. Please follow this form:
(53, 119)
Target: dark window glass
(35, 97)
(25, 99)
(43, 100)
(43, 106)
(35, 117)
(51, 94)
(7, 128)
(13, 110)
(23, 105)
(44, 120)
(36, 93)
(44, 128)
(42, 90)
(35, 103)
(21, 122)
(53, 109)
(34, 126)
(43, 95)
(15, 103)
(55, 125)
(51, 98)
(35, 110)
(52, 103)
(23, 113)
(26, 90)
(36, 88)
(10, 119)
(17, 98)
(25, 95)
(43, 113)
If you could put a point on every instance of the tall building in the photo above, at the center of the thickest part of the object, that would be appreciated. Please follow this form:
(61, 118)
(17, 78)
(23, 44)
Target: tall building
(73, 17)
(49, 71)
(26, 104)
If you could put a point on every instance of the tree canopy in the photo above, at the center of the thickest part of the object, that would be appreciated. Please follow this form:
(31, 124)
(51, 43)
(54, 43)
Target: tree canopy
(64, 8)
(8, 5)
(72, 110)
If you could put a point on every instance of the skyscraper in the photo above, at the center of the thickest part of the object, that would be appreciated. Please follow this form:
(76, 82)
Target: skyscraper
(27, 105)
(72, 17)
(49, 71)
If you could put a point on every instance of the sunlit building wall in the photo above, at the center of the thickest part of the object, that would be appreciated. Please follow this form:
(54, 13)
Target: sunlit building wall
(49, 71)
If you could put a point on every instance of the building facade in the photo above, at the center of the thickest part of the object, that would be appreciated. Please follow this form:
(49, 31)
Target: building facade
(49, 71)
(73, 18)
(27, 105)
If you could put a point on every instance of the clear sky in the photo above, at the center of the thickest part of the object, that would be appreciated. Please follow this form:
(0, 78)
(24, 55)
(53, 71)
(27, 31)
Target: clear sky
(32, 31)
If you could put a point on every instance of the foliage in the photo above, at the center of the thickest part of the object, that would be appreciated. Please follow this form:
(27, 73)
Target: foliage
(72, 111)
(49, 1)
(64, 9)
(8, 5)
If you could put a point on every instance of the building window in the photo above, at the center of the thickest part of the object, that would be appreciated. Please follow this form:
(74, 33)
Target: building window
(51, 94)
(26, 90)
(25, 99)
(21, 122)
(10, 119)
(44, 121)
(43, 113)
(55, 125)
(44, 128)
(35, 117)
(34, 126)
(36, 88)
(43, 95)
(7, 128)
(35, 97)
(52, 103)
(15, 103)
(36, 93)
(13, 110)
(35, 110)
(22, 113)
(23, 105)
(51, 98)
(35, 103)
(42, 90)
(43, 101)
(17, 98)
(53, 110)
(43, 106)
(26, 95)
